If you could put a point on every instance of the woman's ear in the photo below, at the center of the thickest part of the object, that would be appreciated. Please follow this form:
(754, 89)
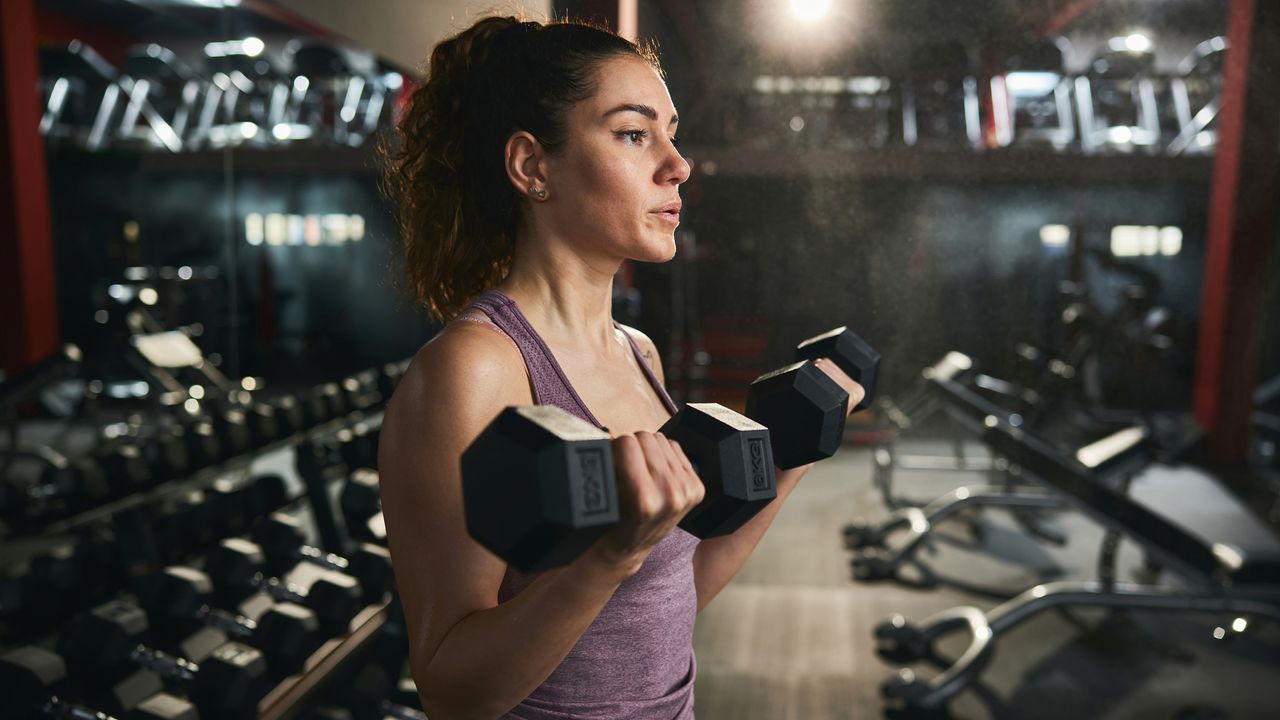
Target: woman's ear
(526, 169)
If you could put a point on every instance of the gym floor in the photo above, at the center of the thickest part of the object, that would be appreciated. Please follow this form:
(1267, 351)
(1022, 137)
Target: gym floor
(791, 636)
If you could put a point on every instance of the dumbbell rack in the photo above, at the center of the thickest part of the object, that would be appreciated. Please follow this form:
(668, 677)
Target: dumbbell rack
(291, 695)
(202, 478)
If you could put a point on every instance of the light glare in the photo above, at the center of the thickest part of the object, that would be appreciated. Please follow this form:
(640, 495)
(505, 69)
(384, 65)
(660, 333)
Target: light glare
(810, 10)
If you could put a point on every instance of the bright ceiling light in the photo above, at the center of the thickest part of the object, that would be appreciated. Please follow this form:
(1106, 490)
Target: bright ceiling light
(252, 46)
(1137, 43)
(810, 10)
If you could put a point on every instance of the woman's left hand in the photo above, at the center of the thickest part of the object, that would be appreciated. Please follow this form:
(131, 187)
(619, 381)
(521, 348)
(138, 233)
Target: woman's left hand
(856, 391)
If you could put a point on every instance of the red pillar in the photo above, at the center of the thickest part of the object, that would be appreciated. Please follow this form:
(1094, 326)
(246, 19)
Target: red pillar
(28, 310)
(1241, 225)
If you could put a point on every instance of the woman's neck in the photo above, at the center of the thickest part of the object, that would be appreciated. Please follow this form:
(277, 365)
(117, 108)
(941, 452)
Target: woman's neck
(568, 298)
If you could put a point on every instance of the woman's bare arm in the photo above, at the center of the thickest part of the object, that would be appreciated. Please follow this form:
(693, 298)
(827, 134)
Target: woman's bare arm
(718, 559)
(471, 657)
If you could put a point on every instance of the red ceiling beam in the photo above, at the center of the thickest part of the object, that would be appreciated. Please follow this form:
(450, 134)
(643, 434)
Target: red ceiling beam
(1242, 222)
(1064, 16)
(29, 330)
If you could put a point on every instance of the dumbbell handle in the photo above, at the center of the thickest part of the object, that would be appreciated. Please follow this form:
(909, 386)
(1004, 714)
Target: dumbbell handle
(168, 666)
(237, 626)
(327, 560)
(400, 712)
(279, 590)
(58, 708)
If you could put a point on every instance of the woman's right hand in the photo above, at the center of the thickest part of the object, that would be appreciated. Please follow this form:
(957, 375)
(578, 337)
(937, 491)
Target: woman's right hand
(657, 487)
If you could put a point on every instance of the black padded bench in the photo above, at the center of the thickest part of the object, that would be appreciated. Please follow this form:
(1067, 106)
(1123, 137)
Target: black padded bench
(1182, 518)
(885, 547)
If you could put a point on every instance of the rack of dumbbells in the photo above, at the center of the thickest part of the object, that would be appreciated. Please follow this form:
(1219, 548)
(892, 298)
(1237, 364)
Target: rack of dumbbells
(152, 99)
(224, 560)
(1118, 100)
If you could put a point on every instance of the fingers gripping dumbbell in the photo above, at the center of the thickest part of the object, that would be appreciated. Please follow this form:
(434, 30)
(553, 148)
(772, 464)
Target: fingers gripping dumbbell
(539, 485)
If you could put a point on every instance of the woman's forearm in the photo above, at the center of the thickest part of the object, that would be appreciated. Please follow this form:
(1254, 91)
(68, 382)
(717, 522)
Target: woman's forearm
(494, 658)
(717, 560)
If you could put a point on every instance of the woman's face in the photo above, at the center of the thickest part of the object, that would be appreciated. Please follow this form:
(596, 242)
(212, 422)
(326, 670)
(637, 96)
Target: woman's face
(615, 183)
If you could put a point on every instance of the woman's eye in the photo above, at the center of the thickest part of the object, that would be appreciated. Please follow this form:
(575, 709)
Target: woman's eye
(634, 136)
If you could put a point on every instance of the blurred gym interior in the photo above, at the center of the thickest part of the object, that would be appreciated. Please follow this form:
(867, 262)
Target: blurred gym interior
(1054, 220)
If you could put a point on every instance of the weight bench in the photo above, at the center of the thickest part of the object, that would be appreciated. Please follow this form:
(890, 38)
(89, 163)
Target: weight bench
(1187, 523)
(917, 406)
(910, 527)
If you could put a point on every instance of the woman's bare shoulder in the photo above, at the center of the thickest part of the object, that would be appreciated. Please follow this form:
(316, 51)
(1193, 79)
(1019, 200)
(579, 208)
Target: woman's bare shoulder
(466, 359)
(461, 379)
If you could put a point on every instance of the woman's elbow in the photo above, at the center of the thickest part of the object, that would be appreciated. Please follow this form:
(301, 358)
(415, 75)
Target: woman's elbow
(447, 701)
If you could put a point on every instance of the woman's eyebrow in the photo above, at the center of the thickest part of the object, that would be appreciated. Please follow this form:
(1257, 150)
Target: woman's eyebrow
(644, 110)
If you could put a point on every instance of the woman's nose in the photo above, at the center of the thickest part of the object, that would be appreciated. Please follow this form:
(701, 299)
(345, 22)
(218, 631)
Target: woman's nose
(675, 168)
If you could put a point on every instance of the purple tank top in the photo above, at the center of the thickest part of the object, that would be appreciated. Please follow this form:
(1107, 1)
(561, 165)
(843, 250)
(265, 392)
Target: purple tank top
(636, 659)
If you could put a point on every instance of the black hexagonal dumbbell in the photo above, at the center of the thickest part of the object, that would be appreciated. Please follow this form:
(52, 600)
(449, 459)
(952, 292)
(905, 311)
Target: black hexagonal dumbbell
(361, 506)
(42, 483)
(177, 603)
(802, 406)
(389, 376)
(44, 589)
(290, 416)
(282, 538)
(358, 445)
(539, 488)
(204, 448)
(105, 643)
(187, 522)
(236, 566)
(33, 682)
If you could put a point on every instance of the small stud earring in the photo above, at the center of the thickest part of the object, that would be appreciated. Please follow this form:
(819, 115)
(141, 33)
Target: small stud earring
(537, 192)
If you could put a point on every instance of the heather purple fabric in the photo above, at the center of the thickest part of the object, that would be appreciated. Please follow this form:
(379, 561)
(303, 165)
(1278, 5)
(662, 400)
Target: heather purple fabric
(636, 659)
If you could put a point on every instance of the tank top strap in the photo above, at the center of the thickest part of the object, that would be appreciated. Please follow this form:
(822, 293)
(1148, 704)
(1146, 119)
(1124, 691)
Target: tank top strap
(546, 378)
(648, 371)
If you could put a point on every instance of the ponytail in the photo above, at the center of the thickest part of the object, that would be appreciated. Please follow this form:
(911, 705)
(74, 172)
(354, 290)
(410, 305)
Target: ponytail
(457, 212)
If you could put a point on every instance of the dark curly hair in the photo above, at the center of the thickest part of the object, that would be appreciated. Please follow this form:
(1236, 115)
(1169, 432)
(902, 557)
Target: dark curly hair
(457, 211)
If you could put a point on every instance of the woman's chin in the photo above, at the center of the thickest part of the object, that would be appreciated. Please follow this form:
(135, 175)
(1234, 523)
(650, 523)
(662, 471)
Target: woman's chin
(666, 251)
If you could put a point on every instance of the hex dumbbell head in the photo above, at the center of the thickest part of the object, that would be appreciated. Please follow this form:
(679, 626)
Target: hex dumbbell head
(360, 500)
(103, 637)
(538, 487)
(125, 468)
(731, 455)
(280, 535)
(264, 429)
(804, 410)
(371, 565)
(203, 446)
(230, 682)
(854, 355)
(163, 706)
(290, 415)
(266, 494)
(233, 565)
(28, 677)
(175, 593)
(287, 634)
(336, 598)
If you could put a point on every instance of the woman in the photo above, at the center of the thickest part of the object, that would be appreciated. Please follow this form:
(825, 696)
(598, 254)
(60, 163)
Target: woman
(536, 159)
